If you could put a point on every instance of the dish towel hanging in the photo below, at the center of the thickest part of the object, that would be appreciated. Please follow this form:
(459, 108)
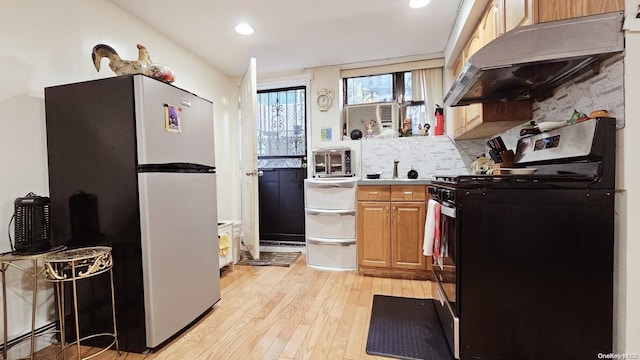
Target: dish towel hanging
(224, 244)
(430, 223)
(437, 246)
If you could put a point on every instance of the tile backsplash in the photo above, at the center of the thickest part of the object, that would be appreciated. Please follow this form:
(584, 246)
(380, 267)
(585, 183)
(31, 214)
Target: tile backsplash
(428, 155)
(603, 91)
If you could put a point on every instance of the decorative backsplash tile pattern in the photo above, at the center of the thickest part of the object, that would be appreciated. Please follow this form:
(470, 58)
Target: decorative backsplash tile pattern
(603, 91)
(428, 155)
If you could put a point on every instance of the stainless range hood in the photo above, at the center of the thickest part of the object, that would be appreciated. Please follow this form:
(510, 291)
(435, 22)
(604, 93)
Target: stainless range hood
(529, 62)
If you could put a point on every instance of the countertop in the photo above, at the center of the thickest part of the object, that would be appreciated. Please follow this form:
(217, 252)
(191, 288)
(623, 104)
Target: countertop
(399, 181)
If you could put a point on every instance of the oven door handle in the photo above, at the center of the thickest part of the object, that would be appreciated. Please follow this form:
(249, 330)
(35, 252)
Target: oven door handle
(448, 211)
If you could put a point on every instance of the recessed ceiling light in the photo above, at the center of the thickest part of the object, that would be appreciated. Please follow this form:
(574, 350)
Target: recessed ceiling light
(416, 4)
(244, 29)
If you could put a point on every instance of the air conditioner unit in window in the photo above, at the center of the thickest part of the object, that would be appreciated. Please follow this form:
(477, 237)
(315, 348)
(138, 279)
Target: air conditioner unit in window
(384, 116)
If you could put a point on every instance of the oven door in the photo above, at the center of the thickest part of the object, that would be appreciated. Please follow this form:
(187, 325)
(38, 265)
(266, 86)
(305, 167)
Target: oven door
(444, 271)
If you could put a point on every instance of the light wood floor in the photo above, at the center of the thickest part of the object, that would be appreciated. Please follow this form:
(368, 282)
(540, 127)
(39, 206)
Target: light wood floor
(273, 312)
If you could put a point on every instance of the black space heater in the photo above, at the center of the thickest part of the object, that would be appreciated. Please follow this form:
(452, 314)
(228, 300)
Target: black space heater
(32, 227)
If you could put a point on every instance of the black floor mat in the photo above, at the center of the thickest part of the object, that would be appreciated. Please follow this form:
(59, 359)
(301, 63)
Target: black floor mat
(406, 328)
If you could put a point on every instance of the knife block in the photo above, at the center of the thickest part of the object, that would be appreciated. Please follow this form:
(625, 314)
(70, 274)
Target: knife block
(507, 159)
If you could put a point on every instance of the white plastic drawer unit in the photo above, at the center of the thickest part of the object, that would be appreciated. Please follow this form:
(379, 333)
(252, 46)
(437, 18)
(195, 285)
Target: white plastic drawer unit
(328, 254)
(333, 224)
(330, 194)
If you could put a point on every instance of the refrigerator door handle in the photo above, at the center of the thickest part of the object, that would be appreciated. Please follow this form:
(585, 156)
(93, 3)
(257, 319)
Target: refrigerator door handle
(175, 167)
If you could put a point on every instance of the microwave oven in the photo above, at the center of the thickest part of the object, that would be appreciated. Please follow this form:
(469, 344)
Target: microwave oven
(333, 162)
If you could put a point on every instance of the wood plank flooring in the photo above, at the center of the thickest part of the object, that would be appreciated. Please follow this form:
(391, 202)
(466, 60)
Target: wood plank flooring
(281, 313)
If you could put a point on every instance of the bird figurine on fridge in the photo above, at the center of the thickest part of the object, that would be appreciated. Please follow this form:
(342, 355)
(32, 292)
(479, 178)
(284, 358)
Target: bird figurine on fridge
(118, 65)
(143, 65)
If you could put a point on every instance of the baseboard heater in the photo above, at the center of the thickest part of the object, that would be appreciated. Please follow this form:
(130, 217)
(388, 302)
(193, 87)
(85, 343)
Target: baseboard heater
(48, 328)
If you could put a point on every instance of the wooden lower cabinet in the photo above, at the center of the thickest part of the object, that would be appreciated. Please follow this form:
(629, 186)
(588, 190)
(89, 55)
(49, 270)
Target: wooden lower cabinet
(407, 235)
(391, 232)
(373, 231)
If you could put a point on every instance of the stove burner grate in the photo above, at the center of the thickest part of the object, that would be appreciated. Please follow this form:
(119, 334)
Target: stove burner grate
(495, 180)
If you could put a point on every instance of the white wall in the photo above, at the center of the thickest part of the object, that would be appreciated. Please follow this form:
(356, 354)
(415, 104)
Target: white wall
(46, 43)
(325, 78)
(628, 239)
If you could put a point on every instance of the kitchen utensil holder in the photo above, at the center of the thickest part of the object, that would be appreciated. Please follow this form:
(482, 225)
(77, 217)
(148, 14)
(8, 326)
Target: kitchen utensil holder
(507, 158)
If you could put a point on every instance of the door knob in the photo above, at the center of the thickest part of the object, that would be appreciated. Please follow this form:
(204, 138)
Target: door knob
(260, 172)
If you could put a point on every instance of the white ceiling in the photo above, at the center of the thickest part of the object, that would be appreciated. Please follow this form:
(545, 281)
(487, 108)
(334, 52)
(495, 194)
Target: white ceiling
(299, 34)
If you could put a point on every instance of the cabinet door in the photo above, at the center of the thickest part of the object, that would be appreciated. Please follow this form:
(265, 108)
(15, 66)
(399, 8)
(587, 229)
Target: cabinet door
(517, 13)
(550, 10)
(490, 26)
(458, 111)
(373, 234)
(473, 112)
(407, 235)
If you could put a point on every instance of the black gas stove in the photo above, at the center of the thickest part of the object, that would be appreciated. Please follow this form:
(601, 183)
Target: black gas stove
(580, 156)
(524, 264)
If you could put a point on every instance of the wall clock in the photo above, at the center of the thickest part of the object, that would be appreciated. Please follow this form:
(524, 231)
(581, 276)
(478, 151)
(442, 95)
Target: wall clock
(324, 100)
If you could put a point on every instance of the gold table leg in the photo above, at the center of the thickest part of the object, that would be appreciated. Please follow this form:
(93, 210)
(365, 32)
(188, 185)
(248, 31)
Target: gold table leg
(71, 266)
(3, 268)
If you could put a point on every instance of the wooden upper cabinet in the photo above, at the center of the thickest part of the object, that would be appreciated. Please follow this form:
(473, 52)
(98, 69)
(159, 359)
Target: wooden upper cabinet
(517, 13)
(477, 121)
(473, 112)
(551, 10)
(459, 114)
(490, 26)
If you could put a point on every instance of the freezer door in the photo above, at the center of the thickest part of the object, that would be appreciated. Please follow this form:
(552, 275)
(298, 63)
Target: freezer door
(172, 125)
(179, 250)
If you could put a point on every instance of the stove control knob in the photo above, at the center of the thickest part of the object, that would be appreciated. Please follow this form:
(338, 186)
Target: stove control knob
(448, 195)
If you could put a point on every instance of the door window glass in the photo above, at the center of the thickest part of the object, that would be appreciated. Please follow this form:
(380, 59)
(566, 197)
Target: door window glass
(281, 127)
